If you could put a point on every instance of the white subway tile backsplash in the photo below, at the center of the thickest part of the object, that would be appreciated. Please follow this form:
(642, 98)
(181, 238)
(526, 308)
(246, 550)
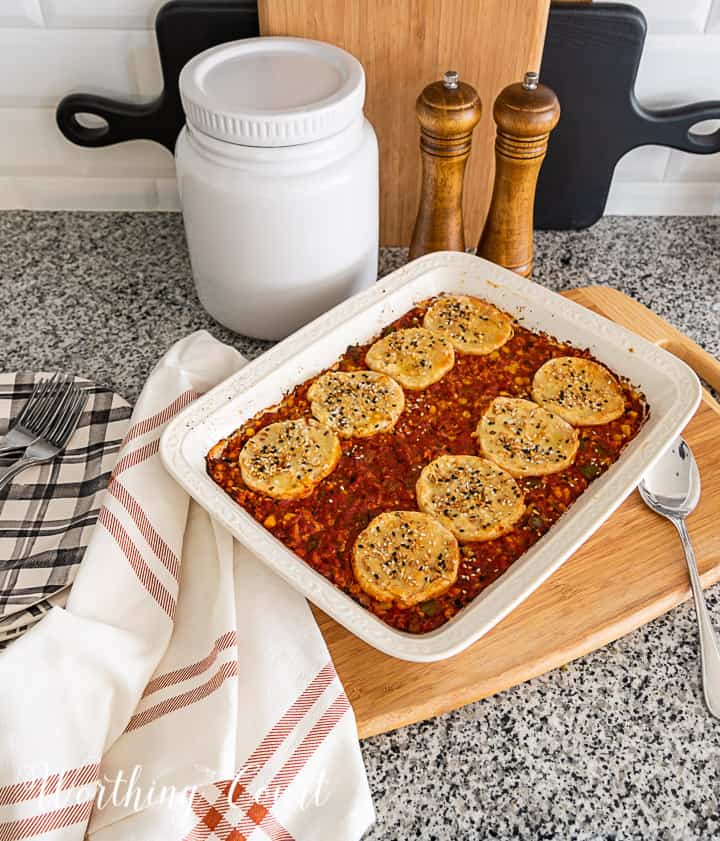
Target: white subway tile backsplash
(86, 193)
(168, 196)
(679, 69)
(664, 16)
(38, 67)
(145, 70)
(9, 194)
(31, 144)
(664, 199)
(693, 169)
(118, 14)
(20, 13)
(713, 21)
(646, 163)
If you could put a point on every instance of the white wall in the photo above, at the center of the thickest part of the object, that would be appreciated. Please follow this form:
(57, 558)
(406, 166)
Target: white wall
(51, 47)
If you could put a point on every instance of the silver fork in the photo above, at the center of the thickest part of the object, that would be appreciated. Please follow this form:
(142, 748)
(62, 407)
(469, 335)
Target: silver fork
(37, 413)
(61, 427)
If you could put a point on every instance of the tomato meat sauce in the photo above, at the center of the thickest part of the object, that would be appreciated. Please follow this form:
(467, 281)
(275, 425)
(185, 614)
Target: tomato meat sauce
(379, 473)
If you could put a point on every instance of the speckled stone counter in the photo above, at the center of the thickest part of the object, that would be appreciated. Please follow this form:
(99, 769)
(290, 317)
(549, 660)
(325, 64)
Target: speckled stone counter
(616, 745)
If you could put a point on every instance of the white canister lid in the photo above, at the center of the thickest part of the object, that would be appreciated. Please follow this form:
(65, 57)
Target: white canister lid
(272, 91)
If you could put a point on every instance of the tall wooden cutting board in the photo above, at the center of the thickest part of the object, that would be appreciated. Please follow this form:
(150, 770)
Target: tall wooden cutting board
(406, 44)
(630, 571)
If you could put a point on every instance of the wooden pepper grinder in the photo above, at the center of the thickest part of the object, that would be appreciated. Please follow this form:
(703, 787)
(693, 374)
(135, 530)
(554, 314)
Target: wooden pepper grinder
(525, 114)
(447, 111)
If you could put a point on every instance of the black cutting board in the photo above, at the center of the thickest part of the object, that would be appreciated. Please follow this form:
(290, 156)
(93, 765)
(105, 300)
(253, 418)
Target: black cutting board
(590, 59)
(183, 29)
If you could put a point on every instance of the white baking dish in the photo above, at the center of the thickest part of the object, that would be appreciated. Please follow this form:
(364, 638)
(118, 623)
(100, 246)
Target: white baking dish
(671, 388)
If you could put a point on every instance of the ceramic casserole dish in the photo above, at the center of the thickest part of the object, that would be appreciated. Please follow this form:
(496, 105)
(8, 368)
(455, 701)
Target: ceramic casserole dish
(671, 388)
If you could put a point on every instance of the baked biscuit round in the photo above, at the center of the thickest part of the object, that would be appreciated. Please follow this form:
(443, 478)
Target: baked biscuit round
(356, 403)
(525, 439)
(581, 391)
(472, 325)
(287, 459)
(472, 497)
(405, 557)
(415, 357)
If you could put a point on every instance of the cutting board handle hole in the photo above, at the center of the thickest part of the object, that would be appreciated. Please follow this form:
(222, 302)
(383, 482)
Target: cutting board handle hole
(705, 135)
(89, 126)
(93, 122)
(705, 127)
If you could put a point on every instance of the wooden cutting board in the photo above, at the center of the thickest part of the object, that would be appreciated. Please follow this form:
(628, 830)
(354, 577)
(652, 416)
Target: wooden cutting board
(406, 44)
(631, 571)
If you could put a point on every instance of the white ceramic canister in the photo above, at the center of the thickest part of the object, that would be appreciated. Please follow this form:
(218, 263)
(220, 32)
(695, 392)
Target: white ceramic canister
(278, 176)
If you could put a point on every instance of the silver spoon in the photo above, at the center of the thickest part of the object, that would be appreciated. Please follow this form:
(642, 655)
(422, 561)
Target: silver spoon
(672, 488)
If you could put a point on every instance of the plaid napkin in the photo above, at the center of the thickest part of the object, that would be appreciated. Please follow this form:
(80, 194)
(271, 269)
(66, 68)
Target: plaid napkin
(47, 513)
(185, 692)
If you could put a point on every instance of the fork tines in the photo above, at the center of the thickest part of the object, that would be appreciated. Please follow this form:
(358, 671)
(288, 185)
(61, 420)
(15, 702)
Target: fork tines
(67, 416)
(38, 411)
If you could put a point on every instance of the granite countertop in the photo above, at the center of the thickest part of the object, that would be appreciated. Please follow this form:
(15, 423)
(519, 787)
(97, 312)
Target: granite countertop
(616, 745)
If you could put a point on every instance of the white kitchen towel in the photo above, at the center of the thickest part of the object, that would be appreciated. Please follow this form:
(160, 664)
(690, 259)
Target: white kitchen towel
(185, 692)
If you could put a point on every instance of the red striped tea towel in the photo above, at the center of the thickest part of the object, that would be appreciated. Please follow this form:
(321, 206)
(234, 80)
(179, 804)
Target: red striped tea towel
(185, 692)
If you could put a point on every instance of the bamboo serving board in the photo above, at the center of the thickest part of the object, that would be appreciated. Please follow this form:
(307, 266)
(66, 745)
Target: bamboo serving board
(631, 571)
(406, 44)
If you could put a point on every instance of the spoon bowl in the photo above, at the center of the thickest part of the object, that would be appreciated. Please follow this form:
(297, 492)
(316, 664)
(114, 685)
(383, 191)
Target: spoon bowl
(672, 486)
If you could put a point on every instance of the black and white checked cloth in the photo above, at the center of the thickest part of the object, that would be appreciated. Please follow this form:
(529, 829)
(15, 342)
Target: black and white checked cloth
(47, 512)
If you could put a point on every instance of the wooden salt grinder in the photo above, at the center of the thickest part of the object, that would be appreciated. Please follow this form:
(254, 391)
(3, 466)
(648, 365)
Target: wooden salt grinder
(525, 114)
(447, 111)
